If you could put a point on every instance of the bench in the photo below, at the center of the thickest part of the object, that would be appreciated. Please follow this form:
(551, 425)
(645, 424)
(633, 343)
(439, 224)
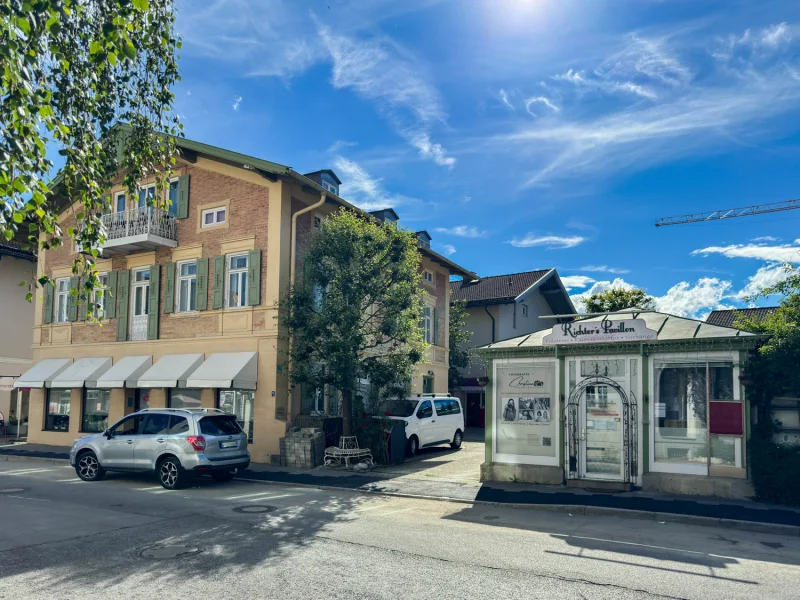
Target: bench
(347, 451)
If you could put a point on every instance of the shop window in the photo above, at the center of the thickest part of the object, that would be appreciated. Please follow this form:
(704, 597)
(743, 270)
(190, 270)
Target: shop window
(605, 368)
(241, 404)
(684, 393)
(95, 410)
(184, 398)
(237, 281)
(142, 399)
(57, 417)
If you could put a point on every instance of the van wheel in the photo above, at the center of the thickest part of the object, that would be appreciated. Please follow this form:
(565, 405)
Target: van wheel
(457, 439)
(412, 446)
(171, 474)
(223, 476)
(88, 468)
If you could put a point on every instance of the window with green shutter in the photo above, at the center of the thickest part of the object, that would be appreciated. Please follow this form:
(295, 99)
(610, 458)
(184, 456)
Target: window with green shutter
(218, 299)
(436, 326)
(183, 197)
(123, 290)
(111, 291)
(72, 303)
(169, 289)
(202, 284)
(155, 294)
(254, 278)
(48, 303)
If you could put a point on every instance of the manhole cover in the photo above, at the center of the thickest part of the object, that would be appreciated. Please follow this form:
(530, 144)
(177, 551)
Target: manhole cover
(175, 551)
(12, 490)
(253, 510)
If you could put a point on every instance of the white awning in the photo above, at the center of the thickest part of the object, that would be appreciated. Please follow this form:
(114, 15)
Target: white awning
(226, 370)
(170, 371)
(42, 373)
(125, 373)
(83, 369)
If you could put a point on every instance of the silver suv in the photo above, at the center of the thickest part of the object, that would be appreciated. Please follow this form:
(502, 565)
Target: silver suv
(172, 442)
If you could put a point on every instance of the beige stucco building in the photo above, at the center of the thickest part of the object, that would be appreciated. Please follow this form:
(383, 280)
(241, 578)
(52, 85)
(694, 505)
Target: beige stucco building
(196, 291)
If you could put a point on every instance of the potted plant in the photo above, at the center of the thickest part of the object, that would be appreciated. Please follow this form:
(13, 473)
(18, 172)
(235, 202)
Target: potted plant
(483, 381)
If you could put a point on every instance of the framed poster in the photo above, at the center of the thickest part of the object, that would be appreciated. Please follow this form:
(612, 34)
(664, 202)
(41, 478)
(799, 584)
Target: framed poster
(526, 415)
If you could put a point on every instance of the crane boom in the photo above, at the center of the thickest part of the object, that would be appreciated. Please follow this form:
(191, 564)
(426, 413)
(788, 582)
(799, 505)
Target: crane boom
(729, 213)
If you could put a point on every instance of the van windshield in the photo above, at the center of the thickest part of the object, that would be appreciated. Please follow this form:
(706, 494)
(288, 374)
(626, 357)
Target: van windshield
(400, 408)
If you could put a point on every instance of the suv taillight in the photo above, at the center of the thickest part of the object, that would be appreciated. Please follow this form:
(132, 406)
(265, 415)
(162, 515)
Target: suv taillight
(198, 442)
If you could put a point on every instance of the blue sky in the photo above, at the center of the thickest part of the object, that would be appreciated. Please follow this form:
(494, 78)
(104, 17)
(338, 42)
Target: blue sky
(527, 134)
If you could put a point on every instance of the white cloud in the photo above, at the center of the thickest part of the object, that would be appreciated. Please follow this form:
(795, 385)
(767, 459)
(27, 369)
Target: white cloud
(782, 253)
(379, 71)
(540, 100)
(774, 35)
(503, 95)
(597, 288)
(576, 281)
(765, 277)
(604, 269)
(366, 191)
(339, 145)
(236, 102)
(687, 300)
(462, 231)
(602, 83)
(549, 241)
(765, 238)
(448, 249)
(648, 58)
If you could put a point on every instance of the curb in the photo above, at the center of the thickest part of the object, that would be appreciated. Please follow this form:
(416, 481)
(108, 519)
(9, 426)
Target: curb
(571, 509)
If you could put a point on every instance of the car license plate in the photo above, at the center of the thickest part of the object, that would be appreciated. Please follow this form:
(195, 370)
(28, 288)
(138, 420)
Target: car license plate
(225, 445)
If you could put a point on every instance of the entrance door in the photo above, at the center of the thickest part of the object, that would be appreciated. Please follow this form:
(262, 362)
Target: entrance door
(474, 409)
(601, 433)
(140, 298)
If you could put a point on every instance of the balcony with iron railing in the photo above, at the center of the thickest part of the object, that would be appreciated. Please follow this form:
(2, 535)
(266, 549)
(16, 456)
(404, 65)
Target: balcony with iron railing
(141, 228)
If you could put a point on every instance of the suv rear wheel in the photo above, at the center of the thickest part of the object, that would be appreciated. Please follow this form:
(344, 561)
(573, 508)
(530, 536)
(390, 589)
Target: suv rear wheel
(88, 468)
(457, 439)
(171, 474)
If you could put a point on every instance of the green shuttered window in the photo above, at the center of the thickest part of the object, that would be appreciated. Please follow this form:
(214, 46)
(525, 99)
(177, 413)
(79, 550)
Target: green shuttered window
(218, 299)
(202, 284)
(155, 294)
(254, 278)
(123, 289)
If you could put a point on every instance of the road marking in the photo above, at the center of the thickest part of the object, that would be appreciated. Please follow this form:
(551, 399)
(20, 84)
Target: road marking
(73, 480)
(270, 497)
(25, 471)
(247, 496)
(394, 512)
(27, 498)
(149, 489)
(370, 508)
(163, 491)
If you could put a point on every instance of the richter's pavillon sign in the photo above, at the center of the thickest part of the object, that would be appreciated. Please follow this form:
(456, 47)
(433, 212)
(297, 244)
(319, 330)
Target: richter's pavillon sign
(594, 332)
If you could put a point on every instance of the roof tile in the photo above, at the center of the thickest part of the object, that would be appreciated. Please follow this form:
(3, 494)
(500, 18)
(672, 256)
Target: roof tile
(497, 289)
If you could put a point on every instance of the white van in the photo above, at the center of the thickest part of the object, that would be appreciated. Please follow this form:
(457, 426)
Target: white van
(430, 421)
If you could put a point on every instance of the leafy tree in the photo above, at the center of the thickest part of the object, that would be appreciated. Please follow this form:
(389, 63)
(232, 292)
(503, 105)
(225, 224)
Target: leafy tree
(773, 366)
(618, 299)
(69, 71)
(459, 337)
(356, 315)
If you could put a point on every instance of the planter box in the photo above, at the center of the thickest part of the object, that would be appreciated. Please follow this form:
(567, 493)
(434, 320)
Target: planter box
(11, 430)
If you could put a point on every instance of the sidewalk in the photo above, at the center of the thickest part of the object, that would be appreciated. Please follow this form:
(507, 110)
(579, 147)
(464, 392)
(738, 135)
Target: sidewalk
(738, 514)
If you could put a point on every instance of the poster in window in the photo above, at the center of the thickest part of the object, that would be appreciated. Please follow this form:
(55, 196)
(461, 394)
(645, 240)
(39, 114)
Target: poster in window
(526, 415)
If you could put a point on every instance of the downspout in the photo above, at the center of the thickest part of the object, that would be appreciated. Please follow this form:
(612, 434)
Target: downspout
(486, 308)
(292, 269)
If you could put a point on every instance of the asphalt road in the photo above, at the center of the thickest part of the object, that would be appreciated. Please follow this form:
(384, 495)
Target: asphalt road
(63, 538)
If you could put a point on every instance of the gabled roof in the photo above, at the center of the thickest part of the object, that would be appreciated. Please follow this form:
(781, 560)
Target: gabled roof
(669, 328)
(328, 171)
(727, 318)
(497, 289)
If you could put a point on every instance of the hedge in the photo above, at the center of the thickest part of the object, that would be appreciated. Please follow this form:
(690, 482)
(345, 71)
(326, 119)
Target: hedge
(775, 470)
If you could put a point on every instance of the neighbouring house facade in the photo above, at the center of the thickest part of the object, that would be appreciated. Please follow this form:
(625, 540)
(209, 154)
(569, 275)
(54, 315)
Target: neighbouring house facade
(17, 264)
(191, 319)
(501, 307)
(625, 400)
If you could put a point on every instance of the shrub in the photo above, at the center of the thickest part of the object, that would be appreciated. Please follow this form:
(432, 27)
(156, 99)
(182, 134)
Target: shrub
(775, 470)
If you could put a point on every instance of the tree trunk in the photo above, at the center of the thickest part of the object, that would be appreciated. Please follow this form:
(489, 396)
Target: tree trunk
(347, 412)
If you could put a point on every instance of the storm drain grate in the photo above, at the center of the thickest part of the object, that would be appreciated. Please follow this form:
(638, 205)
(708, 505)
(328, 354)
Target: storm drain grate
(254, 509)
(172, 551)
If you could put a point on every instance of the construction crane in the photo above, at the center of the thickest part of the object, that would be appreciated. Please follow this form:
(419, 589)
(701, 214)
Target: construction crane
(729, 213)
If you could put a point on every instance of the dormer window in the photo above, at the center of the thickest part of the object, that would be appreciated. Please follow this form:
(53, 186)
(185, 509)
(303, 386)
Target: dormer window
(330, 187)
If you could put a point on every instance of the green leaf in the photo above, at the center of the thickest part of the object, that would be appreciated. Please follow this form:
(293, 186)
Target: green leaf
(142, 5)
(95, 47)
(19, 217)
(8, 234)
(23, 24)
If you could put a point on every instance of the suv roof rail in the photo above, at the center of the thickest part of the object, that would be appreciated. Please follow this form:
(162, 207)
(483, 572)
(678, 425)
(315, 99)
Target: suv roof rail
(192, 411)
(435, 396)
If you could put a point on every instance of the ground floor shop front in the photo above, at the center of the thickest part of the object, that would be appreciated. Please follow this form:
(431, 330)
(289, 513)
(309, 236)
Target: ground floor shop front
(617, 403)
(78, 390)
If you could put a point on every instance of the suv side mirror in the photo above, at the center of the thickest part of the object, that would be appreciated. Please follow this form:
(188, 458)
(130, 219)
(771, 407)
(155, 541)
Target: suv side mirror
(108, 434)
